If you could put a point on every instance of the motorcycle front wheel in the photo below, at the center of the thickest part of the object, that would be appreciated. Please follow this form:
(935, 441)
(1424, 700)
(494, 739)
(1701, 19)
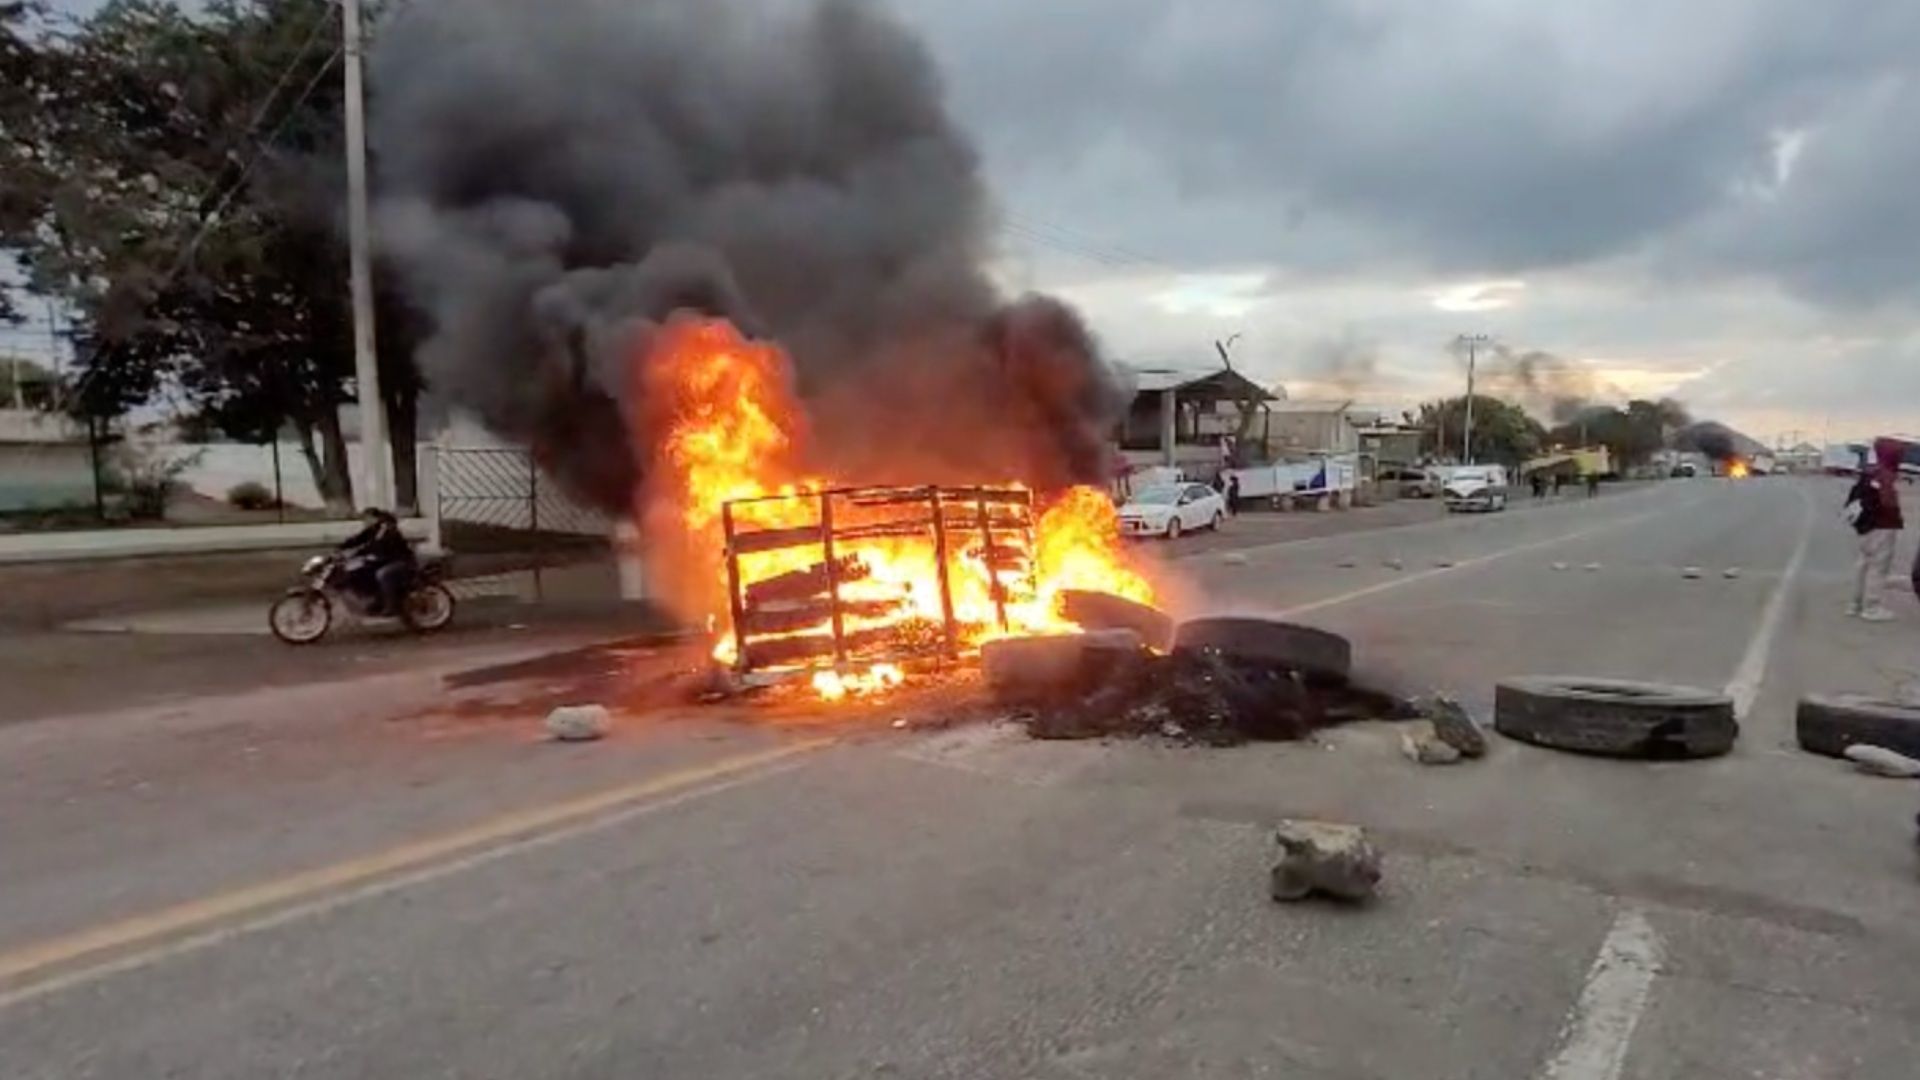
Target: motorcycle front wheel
(301, 618)
(429, 607)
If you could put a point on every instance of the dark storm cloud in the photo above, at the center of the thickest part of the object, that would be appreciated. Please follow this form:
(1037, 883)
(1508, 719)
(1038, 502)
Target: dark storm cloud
(1492, 136)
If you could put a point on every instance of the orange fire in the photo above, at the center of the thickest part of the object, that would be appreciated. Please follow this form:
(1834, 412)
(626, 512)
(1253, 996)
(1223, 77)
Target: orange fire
(1737, 469)
(730, 427)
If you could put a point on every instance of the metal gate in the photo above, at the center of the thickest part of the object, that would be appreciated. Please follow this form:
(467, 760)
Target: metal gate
(492, 506)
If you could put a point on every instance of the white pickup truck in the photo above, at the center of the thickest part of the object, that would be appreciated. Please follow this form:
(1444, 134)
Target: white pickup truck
(1475, 487)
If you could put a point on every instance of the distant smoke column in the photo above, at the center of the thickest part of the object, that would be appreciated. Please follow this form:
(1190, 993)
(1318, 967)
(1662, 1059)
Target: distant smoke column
(557, 177)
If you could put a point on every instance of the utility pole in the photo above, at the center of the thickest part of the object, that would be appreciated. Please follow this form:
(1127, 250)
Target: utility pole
(56, 391)
(1473, 342)
(376, 486)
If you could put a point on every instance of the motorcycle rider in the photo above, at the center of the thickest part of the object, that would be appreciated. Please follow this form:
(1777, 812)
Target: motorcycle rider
(379, 558)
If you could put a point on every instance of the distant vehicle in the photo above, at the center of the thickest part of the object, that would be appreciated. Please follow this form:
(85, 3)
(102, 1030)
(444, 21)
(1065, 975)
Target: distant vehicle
(1686, 469)
(1411, 483)
(1841, 459)
(1171, 510)
(1323, 476)
(1476, 487)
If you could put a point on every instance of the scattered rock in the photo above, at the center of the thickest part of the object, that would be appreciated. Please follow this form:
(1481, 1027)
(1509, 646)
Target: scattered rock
(1394, 564)
(579, 723)
(1348, 563)
(1730, 573)
(1559, 566)
(1453, 725)
(1691, 573)
(1443, 563)
(1592, 567)
(1318, 856)
(1422, 745)
(1234, 558)
(1879, 761)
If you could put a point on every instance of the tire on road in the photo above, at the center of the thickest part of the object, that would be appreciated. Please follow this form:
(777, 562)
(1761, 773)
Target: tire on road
(1050, 668)
(1615, 718)
(1309, 650)
(1829, 723)
(1105, 611)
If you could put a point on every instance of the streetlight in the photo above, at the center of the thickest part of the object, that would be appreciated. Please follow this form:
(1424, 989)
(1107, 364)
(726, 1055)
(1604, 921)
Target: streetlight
(1473, 342)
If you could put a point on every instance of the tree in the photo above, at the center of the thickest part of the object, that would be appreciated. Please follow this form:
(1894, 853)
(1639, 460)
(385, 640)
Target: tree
(1502, 431)
(1631, 435)
(175, 179)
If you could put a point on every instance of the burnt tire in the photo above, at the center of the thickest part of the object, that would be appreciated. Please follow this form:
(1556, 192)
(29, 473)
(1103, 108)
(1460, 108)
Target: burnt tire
(1052, 668)
(1105, 611)
(1828, 724)
(1309, 650)
(1616, 718)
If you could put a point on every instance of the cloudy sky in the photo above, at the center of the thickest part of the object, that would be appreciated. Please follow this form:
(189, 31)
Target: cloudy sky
(1718, 199)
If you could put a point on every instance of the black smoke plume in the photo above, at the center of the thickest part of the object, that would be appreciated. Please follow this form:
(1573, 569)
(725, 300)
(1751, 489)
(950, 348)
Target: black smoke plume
(557, 176)
(1553, 387)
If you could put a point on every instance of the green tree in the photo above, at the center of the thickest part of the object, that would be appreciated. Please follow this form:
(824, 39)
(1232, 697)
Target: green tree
(1631, 435)
(176, 182)
(1502, 431)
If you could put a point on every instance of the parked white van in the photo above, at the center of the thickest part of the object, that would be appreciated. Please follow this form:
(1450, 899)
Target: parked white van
(1476, 487)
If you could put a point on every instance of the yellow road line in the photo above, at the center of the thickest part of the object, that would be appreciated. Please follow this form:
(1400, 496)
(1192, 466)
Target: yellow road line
(155, 929)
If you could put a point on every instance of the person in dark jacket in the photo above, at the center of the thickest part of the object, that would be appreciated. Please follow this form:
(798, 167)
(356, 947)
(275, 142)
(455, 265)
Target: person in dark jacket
(1873, 506)
(381, 557)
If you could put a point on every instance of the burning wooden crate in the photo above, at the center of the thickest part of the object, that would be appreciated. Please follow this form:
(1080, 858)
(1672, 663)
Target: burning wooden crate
(875, 574)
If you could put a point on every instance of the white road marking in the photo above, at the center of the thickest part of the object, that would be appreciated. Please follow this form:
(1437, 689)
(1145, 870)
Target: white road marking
(1465, 564)
(1744, 687)
(1593, 1045)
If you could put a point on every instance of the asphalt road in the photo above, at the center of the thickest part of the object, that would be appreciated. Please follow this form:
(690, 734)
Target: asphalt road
(378, 878)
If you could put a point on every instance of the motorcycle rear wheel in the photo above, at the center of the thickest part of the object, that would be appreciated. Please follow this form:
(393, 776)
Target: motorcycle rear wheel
(301, 618)
(429, 607)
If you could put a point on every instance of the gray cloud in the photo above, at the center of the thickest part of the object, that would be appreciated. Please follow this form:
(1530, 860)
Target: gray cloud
(1490, 136)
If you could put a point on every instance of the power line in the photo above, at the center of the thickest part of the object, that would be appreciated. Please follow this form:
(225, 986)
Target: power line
(1084, 239)
(1083, 245)
(1088, 254)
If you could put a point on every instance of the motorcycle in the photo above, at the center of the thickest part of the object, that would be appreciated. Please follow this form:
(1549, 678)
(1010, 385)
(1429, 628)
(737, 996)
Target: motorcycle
(329, 582)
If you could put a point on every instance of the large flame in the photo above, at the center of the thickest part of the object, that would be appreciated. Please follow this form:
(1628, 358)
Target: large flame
(729, 427)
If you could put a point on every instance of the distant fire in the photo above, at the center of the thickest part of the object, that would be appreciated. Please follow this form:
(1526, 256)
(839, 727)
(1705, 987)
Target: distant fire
(1738, 469)
(730, 428)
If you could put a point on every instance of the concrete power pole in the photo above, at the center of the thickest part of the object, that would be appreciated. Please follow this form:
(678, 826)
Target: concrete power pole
(376, 479)
(1473, 342)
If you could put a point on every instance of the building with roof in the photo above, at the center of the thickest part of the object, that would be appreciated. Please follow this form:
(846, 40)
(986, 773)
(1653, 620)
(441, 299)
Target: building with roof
(1187, 419)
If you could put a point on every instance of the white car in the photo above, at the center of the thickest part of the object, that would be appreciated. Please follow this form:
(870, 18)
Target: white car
(1171, 510)
(1476, 487)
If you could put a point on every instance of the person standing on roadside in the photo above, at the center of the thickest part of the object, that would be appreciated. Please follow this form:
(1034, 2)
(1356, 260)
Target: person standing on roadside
(1873, 506)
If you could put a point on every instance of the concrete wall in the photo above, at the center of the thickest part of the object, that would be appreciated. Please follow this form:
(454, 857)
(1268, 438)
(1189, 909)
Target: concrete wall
(1318, 432)
(222, 466)
(41, 476)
